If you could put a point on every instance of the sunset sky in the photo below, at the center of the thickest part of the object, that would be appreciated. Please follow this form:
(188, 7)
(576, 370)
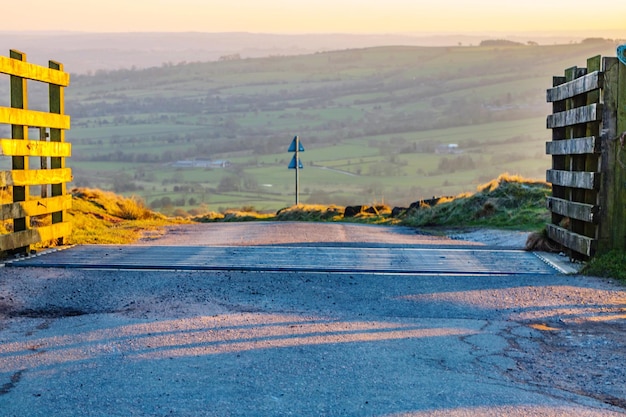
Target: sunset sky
(315, 16)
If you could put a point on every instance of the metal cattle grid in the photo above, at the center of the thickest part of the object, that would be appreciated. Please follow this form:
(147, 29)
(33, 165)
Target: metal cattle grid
(410, 260)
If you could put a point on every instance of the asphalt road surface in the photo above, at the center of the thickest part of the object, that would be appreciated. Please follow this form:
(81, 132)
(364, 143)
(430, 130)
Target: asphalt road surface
(124, 340)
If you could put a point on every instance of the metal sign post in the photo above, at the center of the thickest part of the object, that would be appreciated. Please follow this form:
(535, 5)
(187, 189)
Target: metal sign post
(296, 147)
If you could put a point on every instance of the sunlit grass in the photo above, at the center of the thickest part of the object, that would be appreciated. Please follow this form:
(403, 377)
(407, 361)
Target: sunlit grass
(100, 217)
(509, 202)
(310, 212)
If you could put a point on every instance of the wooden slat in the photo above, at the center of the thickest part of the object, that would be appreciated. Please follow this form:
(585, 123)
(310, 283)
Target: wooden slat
(582, 85)
(35, 177)
(584, 114)
(579, 146)
(579, 211)
(33, 118)
(578, 243)
(12, 147)
(31, 236)
(33, 72)
(574, 179)
(35, 207)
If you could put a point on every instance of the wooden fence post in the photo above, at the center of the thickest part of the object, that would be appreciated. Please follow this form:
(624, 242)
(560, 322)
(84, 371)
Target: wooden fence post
(19, 100)
(57, 106)
(612, 234)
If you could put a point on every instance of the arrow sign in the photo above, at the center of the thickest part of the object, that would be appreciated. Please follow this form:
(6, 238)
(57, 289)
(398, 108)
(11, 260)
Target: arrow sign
(296, 163)
(292, 164)
(292, 147)
(621, 53)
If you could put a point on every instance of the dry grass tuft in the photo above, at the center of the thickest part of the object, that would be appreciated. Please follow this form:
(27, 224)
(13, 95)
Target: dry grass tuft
(539, 241)
(507, 178)
(102, 217)
(310, 212)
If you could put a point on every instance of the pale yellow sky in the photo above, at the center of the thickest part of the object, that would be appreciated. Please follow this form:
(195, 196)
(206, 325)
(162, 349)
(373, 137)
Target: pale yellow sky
(315, 16)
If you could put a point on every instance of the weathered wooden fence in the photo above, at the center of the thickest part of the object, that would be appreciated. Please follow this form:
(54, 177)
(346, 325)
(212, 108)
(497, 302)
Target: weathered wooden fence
(34, 198)
(588, 174)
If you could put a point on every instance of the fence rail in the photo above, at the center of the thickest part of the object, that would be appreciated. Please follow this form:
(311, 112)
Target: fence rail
(588, 202)
(34, 200)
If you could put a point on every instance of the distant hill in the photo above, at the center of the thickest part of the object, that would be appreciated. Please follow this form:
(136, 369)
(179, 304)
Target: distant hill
(392, 124)
(83, 52)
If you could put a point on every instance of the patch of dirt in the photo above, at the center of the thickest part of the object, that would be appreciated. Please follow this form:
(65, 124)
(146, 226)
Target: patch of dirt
(584, 357)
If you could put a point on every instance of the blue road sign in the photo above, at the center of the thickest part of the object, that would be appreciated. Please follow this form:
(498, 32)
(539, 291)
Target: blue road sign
(621, 53)
(292, 147)
(292, 164)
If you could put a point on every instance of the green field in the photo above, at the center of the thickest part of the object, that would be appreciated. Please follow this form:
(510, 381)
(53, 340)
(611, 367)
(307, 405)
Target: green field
(376, 124)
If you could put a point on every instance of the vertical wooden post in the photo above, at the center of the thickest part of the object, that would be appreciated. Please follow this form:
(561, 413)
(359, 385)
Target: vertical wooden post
(612, 234)
(591, 160)
(19, 100)
(620, 238)
(575, 162)
(43, 137)
(57, 105)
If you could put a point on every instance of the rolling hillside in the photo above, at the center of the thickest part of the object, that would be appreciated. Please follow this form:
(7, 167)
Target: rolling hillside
(385, 124)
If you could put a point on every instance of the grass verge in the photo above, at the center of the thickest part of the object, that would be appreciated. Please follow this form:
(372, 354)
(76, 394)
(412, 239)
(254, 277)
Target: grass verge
(100, 217)
(608, 265)
(508, 202)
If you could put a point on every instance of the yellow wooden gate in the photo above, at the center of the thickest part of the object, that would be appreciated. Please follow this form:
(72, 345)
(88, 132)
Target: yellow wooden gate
(34, 199)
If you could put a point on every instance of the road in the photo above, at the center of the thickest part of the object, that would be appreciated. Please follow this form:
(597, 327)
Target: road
(127, 341)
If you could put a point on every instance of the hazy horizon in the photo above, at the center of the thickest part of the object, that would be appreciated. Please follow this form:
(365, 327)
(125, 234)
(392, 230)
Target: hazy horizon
(314, 16)
(83, 52)
(607, 33)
